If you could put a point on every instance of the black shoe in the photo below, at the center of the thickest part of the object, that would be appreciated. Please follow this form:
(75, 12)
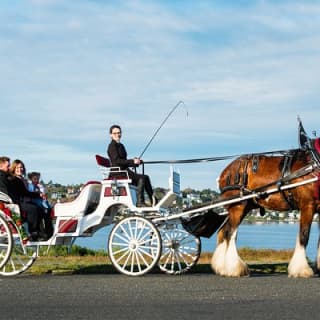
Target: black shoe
(141, 204)
(34, 236)
(154, 201)
(43, 237)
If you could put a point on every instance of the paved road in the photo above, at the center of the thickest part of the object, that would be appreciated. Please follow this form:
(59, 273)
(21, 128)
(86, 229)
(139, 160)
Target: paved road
(158, 296)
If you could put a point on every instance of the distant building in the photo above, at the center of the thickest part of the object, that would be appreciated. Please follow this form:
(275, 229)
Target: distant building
(191, 199)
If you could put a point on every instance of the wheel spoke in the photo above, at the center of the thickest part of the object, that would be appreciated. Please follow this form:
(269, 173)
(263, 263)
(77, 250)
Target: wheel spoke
(132, 261)
(183, 258)
(138, 260)
(6, 242)
(128, 254)
(124, 232)
(129, 224)
(186, 253)
(115, 252)
(143, 250)
(144, 236)
(167, 260)
(139, 246)
(139, 253)
(180, 250)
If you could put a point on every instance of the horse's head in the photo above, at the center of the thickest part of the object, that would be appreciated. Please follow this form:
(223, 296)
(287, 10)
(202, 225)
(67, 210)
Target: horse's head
(308, 144)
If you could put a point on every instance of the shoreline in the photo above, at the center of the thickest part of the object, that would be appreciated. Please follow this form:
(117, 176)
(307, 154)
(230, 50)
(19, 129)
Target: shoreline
(262, 261)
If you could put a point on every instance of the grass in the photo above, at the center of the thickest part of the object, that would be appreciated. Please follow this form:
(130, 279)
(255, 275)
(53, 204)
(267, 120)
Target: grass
(85, 261)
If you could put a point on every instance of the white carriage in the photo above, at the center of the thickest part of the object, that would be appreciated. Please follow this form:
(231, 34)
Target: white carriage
(141, 237)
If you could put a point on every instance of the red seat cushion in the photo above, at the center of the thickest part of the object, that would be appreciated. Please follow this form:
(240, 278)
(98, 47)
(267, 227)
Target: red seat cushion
(102, 161)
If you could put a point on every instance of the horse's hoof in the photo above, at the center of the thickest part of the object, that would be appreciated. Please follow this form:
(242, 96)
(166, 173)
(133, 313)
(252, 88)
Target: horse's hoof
(306, 273)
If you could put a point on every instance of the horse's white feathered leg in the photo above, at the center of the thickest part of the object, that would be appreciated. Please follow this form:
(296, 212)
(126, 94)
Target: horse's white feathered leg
(298, 266)
(234, 265)
(218, 258)
(226, 261)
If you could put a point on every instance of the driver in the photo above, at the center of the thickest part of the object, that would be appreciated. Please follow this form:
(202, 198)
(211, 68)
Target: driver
(118, 156)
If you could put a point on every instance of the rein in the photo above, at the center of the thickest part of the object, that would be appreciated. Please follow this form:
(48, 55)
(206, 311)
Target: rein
(211, 159)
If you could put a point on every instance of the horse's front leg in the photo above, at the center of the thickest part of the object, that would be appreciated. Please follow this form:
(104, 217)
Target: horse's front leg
(298, 266)
(226, 260)
(218, 257)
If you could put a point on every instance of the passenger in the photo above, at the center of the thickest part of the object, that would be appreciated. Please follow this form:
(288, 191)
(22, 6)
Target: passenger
(4, 174)
(20, 195)
(118, 157)
(5, 187)
(34, 185)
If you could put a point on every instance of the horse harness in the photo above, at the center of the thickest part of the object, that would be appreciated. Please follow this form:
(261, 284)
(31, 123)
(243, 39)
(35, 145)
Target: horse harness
(240, 179)
(285, 172)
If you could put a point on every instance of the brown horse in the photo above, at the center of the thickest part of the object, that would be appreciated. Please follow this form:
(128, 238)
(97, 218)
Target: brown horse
(258, 174)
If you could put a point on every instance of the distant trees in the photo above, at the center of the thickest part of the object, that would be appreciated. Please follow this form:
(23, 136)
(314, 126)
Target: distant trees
(189, 196)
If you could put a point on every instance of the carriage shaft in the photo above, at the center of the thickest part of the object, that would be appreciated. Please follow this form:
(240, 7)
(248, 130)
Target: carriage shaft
(235, 200)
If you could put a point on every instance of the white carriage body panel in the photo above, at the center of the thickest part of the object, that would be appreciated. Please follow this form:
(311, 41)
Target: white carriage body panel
(80, 205)
(90, 208)
(93, 206)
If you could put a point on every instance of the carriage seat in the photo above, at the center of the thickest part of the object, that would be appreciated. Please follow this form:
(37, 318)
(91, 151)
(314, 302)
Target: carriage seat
(6, 202)
(5, 198)
(102, 161)
(109, 172)
(85, 203)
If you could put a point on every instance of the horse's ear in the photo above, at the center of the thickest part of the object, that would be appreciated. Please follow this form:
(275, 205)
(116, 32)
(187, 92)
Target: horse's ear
(304, 140)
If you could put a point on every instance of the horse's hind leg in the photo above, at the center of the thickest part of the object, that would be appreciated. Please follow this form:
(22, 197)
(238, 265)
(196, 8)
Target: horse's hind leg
(225, 260)
(298, 265)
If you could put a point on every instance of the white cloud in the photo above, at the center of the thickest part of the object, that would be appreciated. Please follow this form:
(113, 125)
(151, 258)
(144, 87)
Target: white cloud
(74, 68)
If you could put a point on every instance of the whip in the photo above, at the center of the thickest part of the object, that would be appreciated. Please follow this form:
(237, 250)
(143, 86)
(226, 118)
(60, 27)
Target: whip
(161, 125)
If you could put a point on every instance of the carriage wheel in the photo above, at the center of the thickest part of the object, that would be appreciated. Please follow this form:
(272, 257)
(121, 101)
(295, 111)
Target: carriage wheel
(6, 242)
(22, 256)
(180, 249)
(134, 246)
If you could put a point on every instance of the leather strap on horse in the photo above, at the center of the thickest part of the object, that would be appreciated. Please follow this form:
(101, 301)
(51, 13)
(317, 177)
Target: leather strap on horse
(240, 179)
(255, 163)
(296, 174)
(286, 170)
(317, 187)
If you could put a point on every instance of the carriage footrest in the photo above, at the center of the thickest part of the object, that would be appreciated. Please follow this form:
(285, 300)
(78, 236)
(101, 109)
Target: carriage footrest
(204, 225)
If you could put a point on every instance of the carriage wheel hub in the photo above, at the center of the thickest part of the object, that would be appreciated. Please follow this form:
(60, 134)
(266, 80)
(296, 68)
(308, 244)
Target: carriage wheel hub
(174, 244)
(133, 244)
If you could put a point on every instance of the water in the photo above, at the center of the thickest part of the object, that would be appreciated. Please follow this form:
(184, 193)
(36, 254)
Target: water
(258, 236)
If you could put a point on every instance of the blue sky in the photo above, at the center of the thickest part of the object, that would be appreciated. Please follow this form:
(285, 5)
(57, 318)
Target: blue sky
(70, 69)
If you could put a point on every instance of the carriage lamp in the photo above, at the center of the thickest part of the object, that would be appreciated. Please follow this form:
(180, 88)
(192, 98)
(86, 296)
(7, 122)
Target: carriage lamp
(115, 190)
